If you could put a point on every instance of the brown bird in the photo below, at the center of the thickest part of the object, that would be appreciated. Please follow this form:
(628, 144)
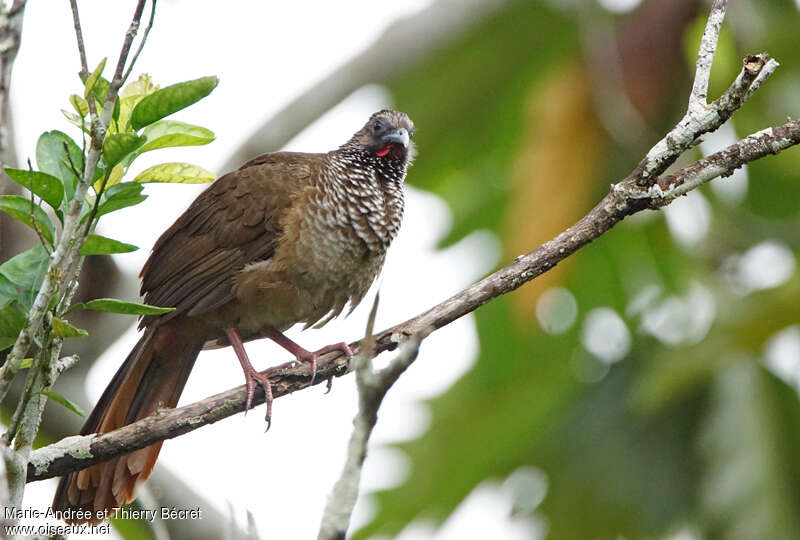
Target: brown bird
(287, 238)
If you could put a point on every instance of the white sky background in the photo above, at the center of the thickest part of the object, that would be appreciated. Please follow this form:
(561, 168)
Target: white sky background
(265, 53)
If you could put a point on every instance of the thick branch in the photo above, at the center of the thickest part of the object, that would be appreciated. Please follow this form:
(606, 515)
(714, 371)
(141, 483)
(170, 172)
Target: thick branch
(76, 453)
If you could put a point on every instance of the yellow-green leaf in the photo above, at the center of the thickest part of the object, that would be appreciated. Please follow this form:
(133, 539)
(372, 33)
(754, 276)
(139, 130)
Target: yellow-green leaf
(181, 173)
(92, 80)
(63, 329)
(167, 133)
(80, 105)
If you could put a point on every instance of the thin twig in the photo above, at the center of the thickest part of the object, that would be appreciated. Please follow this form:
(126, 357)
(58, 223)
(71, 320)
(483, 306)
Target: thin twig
(372, 388)
(698, 99)
(79, 37)
(116, 82)
(84, 72)
(141, 44)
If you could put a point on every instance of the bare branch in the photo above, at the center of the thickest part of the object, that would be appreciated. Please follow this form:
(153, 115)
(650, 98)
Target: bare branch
(84, 73)
(76, 20)
(698, 99)
(141, 44)
(697, 122)
(372, 388)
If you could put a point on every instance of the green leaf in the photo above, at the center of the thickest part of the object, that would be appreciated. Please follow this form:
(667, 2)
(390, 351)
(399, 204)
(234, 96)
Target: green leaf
(6, 341)
(26, 269)
(26, 363)
(11, 322)
(63, 329)
(19, 208)
(169, 100)
(93, 78)
(100, 245)
(8, 292)
(80, 105)
(112, 305)
(61, 400)
(117, 146)
(181, 173)
(121, 196)
(168, 133)
(52, 158)
(46, 186)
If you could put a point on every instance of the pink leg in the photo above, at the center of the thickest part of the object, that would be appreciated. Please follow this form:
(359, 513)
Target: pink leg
(302, 354)
(251, 376)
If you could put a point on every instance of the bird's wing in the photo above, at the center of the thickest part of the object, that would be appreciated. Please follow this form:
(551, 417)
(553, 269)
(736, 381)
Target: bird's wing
(235, 222)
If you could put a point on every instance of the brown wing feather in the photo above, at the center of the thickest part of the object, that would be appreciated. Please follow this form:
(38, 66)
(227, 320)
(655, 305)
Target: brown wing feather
(235, 222)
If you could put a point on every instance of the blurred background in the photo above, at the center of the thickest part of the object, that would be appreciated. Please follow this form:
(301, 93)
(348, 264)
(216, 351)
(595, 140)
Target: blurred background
(644, 388)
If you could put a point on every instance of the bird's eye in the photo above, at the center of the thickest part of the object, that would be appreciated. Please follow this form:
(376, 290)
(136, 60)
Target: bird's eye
(377, 126)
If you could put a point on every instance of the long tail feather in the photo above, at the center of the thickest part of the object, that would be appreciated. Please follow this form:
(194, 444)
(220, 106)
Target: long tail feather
(151, 378)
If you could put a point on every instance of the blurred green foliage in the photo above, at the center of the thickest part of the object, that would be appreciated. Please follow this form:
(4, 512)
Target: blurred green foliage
(693, 433)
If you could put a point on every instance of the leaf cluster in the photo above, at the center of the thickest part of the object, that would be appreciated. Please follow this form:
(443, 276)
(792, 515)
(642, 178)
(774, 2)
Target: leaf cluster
(139, 124)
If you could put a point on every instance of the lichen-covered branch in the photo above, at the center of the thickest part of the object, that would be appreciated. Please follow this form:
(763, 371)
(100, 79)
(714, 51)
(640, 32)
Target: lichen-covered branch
(372, 388)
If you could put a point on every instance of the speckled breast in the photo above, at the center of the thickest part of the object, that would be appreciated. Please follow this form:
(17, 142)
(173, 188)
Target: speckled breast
(343, 235)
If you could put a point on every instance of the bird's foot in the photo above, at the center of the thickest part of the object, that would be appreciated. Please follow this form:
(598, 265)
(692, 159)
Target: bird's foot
(251, 377)
(310, 357)
(301, 354)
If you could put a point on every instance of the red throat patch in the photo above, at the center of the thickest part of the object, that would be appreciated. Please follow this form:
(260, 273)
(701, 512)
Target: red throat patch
(383, 151)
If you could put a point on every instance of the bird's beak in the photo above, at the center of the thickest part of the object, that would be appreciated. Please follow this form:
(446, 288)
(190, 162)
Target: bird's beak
(398, 136)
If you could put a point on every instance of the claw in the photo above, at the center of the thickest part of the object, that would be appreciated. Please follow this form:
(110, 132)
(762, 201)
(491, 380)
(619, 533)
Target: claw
(251, 376)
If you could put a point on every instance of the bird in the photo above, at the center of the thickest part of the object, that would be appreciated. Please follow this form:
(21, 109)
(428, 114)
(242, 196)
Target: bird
(287, 238)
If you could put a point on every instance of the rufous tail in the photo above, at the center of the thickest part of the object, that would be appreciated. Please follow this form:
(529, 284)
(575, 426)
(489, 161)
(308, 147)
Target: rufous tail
(151, 378)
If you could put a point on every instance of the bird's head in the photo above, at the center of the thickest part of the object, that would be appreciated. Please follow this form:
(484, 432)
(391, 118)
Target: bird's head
(386, 136)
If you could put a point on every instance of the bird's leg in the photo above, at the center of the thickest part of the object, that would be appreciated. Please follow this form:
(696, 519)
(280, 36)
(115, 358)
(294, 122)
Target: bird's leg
(251, 376)
(302, 354)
